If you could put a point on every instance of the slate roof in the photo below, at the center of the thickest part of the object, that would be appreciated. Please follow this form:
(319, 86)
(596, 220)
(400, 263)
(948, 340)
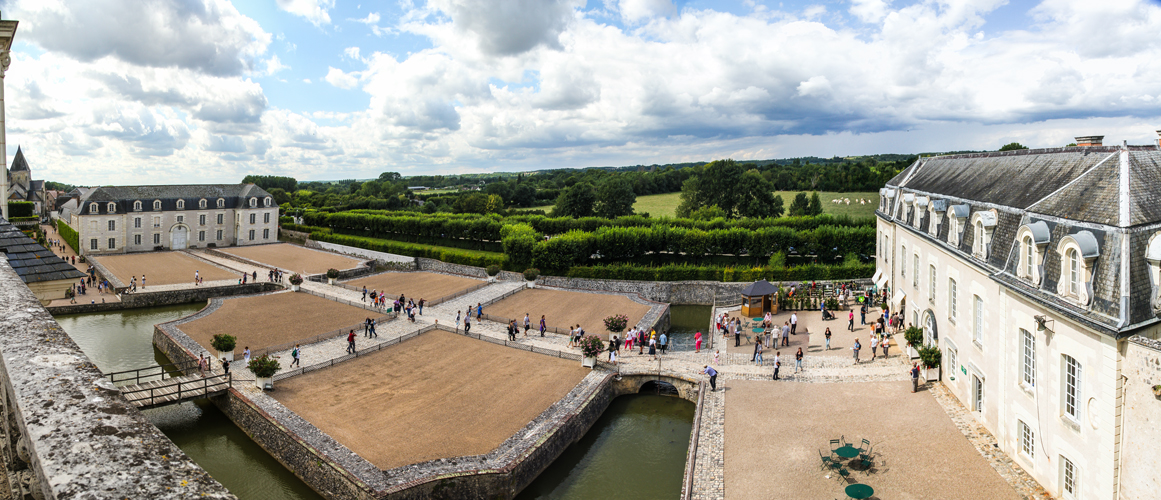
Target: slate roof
(1106, 198)
(759, 288)
(34, 263)
(18, 161)
(235, 196)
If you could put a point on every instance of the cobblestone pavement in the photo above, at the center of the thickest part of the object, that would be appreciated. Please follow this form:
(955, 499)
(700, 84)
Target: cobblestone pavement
(709, 478)
(986, 444)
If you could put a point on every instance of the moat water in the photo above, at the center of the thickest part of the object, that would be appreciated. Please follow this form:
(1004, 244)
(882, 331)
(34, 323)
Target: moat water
(684, 322)
(636, 449)
(123, 340)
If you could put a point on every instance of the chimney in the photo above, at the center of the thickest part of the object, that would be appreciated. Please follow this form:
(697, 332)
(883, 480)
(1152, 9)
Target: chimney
(1089, 140)
(1159, 138)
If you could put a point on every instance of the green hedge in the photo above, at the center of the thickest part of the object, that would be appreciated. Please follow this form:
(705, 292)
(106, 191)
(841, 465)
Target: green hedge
(68, 235)
(24, 219)
(21, 209)
(714, 273)
(467, 258)
(289, 226)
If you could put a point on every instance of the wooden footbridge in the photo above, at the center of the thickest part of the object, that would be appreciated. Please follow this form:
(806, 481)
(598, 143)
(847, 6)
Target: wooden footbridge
(169, 384)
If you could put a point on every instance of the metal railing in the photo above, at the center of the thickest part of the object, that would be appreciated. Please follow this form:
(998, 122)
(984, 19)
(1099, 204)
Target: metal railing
(162, 372)
(197, 388)
(426, 303)
(322, 336)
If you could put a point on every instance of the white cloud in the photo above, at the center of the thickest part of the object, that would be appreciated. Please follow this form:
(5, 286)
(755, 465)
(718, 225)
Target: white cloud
(314, 11)
(371, 19)
(273, 65)
(512, 26)
(638, 10)
(340, 79)
(869, 11)
(352, 52)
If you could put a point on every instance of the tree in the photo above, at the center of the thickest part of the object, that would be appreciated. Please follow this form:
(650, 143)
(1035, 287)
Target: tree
(614, 198)
(1013, 146)
(272, 181)
(800, 206)
(716, 184)
(757, 197)
(575, 201)
(390, 177)
(707, 213)
(815, 207)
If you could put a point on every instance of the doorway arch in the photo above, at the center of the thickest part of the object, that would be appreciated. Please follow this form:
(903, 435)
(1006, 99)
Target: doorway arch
(179, 237)
(930, 328)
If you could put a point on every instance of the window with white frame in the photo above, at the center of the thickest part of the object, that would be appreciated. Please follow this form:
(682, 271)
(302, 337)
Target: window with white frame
(1072, 380)
(137, 239)
(952, 362)
(220, 218)
(1027, 439)
(915, 277)
(112, 208)
(202, 203)
(137, 222)
(156, 238)
(978, 321)
(981, 245)
(902, 261)
(952, 305)
(156, 221)
(201, 236)
(181, 204)
(1069, 477)
(1028, 347)
(221, 203)
(180, 218)
(931, 279)
(265, 234)
(94, 208)
(113, 225)
(1072, 260)
(266, 201)
(93, 244)
(112, 243)
(219, 235)
(253, 202)
(266, 218)
(137, 206)
(157, 204)
(202, 219)
(253, 219)
(251, 235)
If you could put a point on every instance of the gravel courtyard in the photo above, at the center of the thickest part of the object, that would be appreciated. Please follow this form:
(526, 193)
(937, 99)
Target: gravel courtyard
(416, 285)
(161, 268)
(293, 258)
(439, 395)
(265, 320)
(563, 309)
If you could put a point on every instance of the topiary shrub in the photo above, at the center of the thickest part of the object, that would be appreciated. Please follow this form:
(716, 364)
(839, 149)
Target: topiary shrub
(295, 279)
(332, 273)
(531, 274)
(591, 346)
(914, 336)
(616, 323)
(264, 366)
(493, 270)
(224, 342)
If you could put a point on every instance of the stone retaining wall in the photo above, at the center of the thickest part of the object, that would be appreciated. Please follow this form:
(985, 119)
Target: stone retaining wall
(67, 432)
(359, 252)
(670, 292)
(1141, 412)
(166, 298)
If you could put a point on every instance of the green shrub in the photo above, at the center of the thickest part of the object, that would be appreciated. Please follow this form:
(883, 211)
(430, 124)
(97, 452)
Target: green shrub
(21, 209)
(224, 342)
(467, 257)
(68, 235)
(332, 273)
(591, 346)
(531, 274)
(687, 272)
(913, 335)
(493, 270)
(264, 366)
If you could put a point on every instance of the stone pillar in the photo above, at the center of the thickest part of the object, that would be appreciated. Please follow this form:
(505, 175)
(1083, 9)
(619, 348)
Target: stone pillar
(7, 32)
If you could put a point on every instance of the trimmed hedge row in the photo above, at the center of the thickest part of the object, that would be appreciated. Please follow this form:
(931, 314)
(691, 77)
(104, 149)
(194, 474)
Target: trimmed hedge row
(32, 218)
(69, 235)
(714, 273)
(411, 250)
(290, 226)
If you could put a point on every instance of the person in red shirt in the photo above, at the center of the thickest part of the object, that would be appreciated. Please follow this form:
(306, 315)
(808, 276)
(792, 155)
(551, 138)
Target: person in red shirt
(351, 342)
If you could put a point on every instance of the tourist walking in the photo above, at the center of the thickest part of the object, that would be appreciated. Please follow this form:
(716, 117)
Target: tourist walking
(351, 342)
(737, 335)
(798, 360)
(885, 344)
(863, 314)
(246, 355)
(757, 353)
(421, 302)
(613, 350)
(367, 327)
(851, 323)
(202, 365)
(653, 347)
(713, 375)
(543, 325)
(295, 353)
(794, 323)
(856, 348)
(457, 322)
(697, 342)
(874, 346)
(527, 324)
(827, 335)
(226, 366)
(914, 377)
(664, 343)
(364, 294)
(786, 334)
(373, 334)
(468, 321)
(479, 310)
(777, 363)
(717, 357)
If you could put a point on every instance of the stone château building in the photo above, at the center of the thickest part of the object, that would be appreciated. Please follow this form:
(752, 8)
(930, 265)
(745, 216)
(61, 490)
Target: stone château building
(1030, 270)
(21, 187)
(121, 219)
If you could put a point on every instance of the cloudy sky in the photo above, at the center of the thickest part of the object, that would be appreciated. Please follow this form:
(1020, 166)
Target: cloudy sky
(171, 91)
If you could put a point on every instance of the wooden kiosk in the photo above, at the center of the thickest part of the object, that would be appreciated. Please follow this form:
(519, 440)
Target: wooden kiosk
(759, 298)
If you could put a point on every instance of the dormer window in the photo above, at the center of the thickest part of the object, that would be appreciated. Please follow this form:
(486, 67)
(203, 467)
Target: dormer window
(94, 208)
(202, 203)
(935, 213)
(982, 225)
(253, 202)
(920, 210)
(266, 202)
(112, 208)
(181, 204)
(157, 204)
(1079, 252)
(956, 223)
(1153, 258)
(221, 203)
(137, 206)
(1033, 239)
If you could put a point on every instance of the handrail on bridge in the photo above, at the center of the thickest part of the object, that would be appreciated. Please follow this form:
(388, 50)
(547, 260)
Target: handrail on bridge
(163, 371)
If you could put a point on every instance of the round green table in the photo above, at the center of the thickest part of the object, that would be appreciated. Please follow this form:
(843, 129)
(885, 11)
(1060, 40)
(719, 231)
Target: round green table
(756, 319)
(847, 451)
(758, 330)
(859, 491)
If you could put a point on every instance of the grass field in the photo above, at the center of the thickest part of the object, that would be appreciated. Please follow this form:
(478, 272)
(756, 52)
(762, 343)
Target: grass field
(665, 205)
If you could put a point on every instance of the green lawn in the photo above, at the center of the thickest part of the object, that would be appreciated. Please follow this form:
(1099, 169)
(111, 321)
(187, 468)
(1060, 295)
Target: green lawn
(665, 205)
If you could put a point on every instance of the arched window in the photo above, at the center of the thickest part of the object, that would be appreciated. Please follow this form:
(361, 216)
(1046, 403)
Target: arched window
(181, 204)
(1029, 255)
(157, 204)
(980, 237)
(112, 208)
(137, 206)
(202, 203)
(266, 202)
(253, 202)
(221, 203)
(1073, 271)
(94, 208)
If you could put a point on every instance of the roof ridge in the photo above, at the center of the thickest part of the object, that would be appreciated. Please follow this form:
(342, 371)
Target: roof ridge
(1033, 206)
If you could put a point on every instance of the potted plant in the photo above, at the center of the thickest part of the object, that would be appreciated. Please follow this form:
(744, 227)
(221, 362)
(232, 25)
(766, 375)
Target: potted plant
(224, 343)
(264, 367)
(591, 347)
(332, 273)
(616, 324)
(295, 281)
(1157, 390)
(531, 274)
(913, 335)
(492, 270)
(929, 357)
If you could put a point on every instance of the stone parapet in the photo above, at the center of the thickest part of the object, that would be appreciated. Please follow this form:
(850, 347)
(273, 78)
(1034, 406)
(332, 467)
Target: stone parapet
(671, 292)
(167, 297)
(68, 433)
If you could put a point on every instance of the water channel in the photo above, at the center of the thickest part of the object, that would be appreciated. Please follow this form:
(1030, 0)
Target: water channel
(123, 340)
(684, 321)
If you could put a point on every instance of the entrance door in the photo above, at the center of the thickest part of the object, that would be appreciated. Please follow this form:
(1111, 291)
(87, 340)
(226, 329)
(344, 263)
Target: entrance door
(977, 394)
(180, 238)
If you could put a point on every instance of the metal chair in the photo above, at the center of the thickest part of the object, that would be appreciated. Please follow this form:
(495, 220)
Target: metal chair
(843, 473)
(865, 446)
(835, 444)
(827, 462)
